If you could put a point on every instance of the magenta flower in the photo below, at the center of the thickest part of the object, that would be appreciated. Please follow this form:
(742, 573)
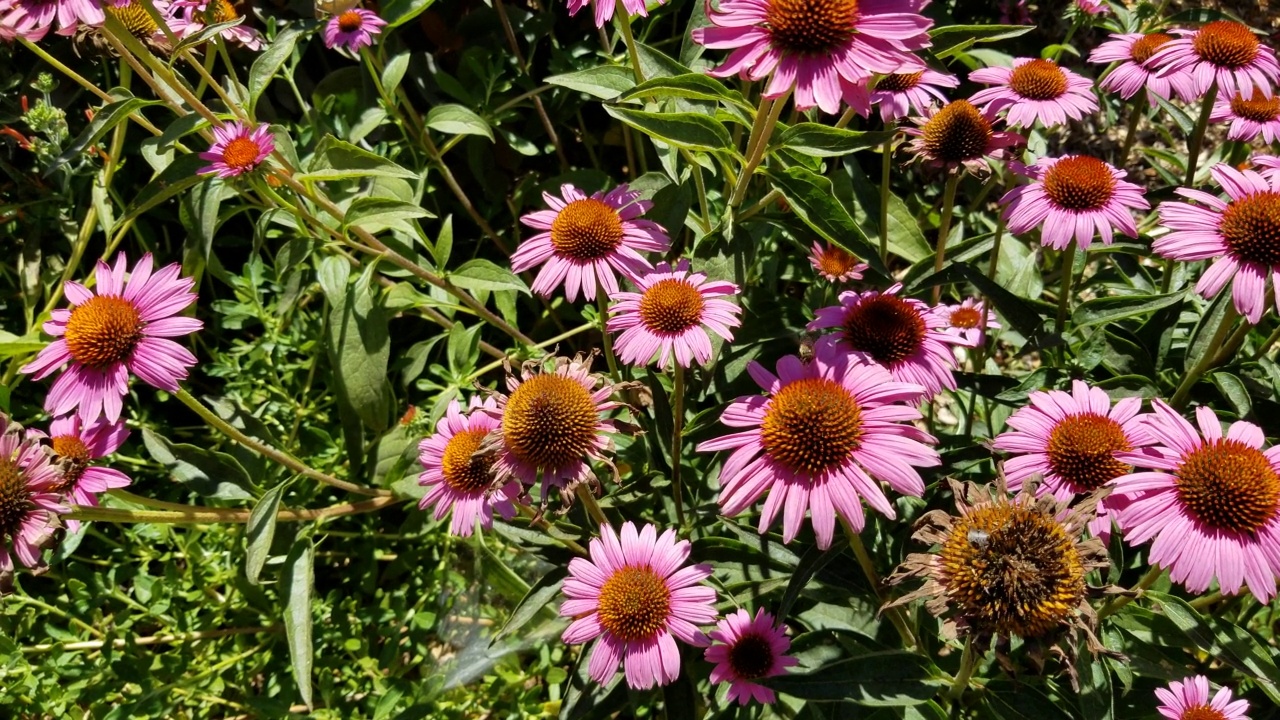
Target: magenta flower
(828, 432)
(823, 49)
(1092, 7)
(194, 15)
(635, 597)
(1211, 504)
(746, 650)
(31, 19)
(964, 321)
(900, 334)
(117, 329)
(1035, 90)
(604, 9)
(1188, 699)
(1071, 440)
(835, 263)
(1134, 52)
(352, 30)
(1243, 234)
(29, 501)
(958, 135)
(1249, 118)
(458, 476)
(238, 149)
(1222, 52)
(1269, 167)
(76, 444)
(670, 316)
(915, 93)
(585, 239)
(1076, 196)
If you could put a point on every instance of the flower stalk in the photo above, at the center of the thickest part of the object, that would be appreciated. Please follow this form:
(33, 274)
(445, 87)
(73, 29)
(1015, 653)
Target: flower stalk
(944, 229)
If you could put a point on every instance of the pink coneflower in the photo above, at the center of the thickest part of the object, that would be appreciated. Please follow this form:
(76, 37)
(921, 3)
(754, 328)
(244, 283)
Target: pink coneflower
(112, 331)
(1188, 699)
(75, 445)
(31, 19)
(824, 49)
(901, 334)
(29, 501)
(458, 476)
(1249, 118)
(1092, 7)
(553, 424)
(586, 238)
(1269, 167)
(636, 596)
(1071, 440)
(1134, 52)
(1222, 52)
(1211, 503)
(1243, 234)
(905, 94)
(238, 149)
(965, 321)
(604, 9)
(749, 649)
(670, 316)
(959, 135)
(352, 29)
(1035, 90)
(194, 15)
(1075, 196)
(828, 432)
(835, 263)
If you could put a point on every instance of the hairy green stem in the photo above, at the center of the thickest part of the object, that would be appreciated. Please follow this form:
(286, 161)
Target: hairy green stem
(624, 24)
(944, 229)
(968, 663)
(1266, 344)
(606, 342)
(542, 524)
(593, 507)
(766, 119)
(677, 436)
(1131, 128)
(1064, 294)
(1120, 601)
(1179, 399)
(206, 515)
(886, 166)
(869, 569)
(171, 639)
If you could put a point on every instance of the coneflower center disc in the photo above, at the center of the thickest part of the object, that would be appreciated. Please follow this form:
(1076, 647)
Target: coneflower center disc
(1251, 228)
(220, 11)
(1226, 44)
(350, 21)
(1258, 109)
(586, 230)
(1201, 712)
(73, 456)
(965, 318)
(811, 425)
(133, 17)
(1082, 451)
(671, 306)
(550, 421)
(15, 499)
(886, 327)
(1079, 182)
(751, 657)
(103, 331)
(241, 153)
(1229, 486)
(1039, 80)
(1144, 48)
(836, 261)
(1024, 579)
(811, 27)
(463, 470)
(634, 604)
(956, 133)
(899, 82)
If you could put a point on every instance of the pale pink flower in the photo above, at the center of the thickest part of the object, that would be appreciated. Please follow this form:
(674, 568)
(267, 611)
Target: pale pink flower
(820, 442)
(635, 597)
(835, 263)
(352, 29)
(1222, 52)
(1073, 197)
(1188, 699)
(671, 315)
(76, 444)
(458, 476)
(965, 321)
(32, 19)
(1134, 52)
(1035, 90)
(959, 135)
(1209, 505)
(1269, 167)
(29, 500)
(238, 149)
(1249, 118)
(904, 94)
(746, 650)
(586, 239)
(1242, 233)
(604, 9)
(1092, 7)
(824, 50)
(118, 328)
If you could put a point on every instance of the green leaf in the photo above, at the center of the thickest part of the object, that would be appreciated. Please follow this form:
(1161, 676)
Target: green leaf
(443, 246)
(270, 62)
(399, 12)
(884, 679)
(11, 345)
(180, 175)
(260, 531)
(1205, 329)
(482, 274)
(393, 72)
(104, 121)
(951, 39)
(457, 120)
(463, 349)
(690, 86)
(339, 160)
(811, 563)
(207, 472)
(358, 343)
(606, 82)
(539, 599)
(375, 214)
(1235, 392)
(1111, 309)
(685, 130)
(813, 201)
(906, 240)
(1095, 697)
(1184, 121)
(299, 586)
(818, 140)
(207, 33)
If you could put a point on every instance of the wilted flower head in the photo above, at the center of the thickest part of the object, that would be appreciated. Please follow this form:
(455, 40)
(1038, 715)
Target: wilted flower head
(29, 501)
(1249, 118)
(458, 475)
(1035, 90)
(900, 94)
(352, 29)
(1134, 52)
(1188, 699)
(671, 315)
(959, 135)
(1224, 53)
(747, 650)
(238, 148)
(75, 445)
(32, 19)
(1073, 197)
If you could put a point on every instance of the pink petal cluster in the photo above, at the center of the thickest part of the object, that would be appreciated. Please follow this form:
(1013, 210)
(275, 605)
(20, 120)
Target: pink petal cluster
(1191, 51)
(603, 9)
(964, 321)
(238, 148)
(746, 650)
(1050, 106)
(474, 496)
(32, 19)
(30, 484)
(671, 315)
(352, 29)
(1134, 53)
(1081, 198)
(1250, 118)
(905, 94)
(1189, 698)
(76, 443)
